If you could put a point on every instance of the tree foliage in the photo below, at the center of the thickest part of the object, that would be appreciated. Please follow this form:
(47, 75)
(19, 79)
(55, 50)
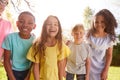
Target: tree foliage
(16, 4)
(87, 15)
(15, 7)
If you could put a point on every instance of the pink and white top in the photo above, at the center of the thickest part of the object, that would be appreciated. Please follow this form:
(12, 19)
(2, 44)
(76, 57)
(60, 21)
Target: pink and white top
(5, 28)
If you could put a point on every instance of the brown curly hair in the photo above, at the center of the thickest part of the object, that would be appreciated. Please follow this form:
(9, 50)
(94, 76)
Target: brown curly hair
(110, 23)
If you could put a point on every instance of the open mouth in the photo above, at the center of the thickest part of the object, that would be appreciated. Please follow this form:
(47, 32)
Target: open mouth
(25, 29)
(52, 31)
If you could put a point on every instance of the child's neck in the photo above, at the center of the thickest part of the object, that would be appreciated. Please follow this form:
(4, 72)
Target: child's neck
(78, 42)
(51, 42)
(24, 36)
(100, 34)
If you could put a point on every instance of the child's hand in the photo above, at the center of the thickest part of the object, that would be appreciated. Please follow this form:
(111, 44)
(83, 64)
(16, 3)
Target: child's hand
(104, 75)
(64, 74)
(68, 42)
(63, 78)
(87, 77)
(27, 77)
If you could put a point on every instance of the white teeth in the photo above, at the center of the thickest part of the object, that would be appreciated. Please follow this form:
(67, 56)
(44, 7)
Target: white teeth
(52, 30)
(25, 29)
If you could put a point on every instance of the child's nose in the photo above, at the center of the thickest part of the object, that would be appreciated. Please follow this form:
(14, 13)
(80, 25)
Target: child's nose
(52, 25)
(25, 24)
(99, 23)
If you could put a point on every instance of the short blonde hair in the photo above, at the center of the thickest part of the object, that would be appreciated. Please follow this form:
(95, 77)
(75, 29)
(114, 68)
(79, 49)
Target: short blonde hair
(78, 27)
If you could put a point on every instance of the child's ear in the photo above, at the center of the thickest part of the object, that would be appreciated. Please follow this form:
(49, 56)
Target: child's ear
(17, 23)
(34, 26)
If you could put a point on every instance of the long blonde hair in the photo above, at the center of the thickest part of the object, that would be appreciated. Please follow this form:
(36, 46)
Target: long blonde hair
(39, 46)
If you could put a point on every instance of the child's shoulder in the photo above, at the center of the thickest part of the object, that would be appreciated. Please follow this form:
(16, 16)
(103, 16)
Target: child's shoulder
(86, 44)
(11, 36)
(14, 33)
(5, 21)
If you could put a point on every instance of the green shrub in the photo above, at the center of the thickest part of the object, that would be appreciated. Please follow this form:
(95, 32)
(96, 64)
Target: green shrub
(116, 54)
(119, 37)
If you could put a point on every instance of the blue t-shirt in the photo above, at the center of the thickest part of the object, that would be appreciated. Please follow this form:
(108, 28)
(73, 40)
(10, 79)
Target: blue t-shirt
(19, 48)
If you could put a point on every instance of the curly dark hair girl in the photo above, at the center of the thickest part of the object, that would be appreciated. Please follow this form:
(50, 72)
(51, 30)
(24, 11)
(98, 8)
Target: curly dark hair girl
(110, 23)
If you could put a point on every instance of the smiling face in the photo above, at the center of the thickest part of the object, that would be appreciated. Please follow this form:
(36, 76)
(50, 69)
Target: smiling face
(78, 33)
(99, 23)
(3, 4)
(25, 24)
(52, 26)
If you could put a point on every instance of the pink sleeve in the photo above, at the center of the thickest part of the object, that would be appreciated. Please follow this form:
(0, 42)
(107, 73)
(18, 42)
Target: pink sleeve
(5, 29)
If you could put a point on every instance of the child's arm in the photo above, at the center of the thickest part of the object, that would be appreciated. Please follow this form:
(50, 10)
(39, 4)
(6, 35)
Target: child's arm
(29, 73)
(107, 64)
(61, 68)
(36, 70)
(7, 65)
(87, 68)
(64, 66)
(28, 76)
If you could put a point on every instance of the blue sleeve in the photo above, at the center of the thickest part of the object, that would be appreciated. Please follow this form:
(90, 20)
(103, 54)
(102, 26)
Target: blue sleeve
(7, 43)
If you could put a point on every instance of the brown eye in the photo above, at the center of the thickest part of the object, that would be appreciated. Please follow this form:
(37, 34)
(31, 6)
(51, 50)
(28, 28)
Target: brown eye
(30, 23)
(55, 24)
(21, 22)
(96, 22)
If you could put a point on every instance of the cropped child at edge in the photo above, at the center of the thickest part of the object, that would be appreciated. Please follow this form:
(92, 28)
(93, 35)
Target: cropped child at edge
(101, 38)
(5, 27)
